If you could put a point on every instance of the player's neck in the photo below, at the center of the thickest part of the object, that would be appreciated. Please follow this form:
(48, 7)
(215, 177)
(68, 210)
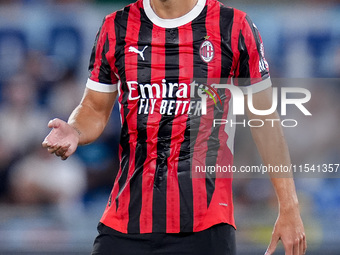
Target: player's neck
(171, 9)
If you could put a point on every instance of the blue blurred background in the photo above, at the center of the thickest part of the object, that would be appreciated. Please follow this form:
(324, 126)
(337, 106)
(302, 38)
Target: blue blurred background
(52, 207)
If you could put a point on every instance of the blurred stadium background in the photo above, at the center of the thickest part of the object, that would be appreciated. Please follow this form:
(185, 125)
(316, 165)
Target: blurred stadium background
(52, 207)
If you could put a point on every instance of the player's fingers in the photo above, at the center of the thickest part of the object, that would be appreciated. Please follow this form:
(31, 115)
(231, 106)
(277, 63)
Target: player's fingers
(289, 247)
(64, 157)
(304, 244)
(55, 123)
(46, 143)
(296, 247)
(301, 246)
(62, 150)
(57, 148)
(52, 149)
(69, 151)
(272, 246)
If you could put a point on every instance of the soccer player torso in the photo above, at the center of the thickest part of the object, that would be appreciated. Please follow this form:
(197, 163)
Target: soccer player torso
(164, 135)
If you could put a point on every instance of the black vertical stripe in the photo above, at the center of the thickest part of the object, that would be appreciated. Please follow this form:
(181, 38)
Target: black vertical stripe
(185, 183)
(165, 132)
(226, 26)
(201, 71)
(244, 71)
(120, 30)
(105, 69)
(143, 71)
(211, 155)
(200, 75)
(213, 148)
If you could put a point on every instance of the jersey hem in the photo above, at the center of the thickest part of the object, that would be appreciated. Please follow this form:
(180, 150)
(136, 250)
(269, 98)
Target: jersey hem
(118, 227)
(101, 87)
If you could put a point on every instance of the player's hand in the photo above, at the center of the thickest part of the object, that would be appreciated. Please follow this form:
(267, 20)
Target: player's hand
(62, 140)
(289, 229)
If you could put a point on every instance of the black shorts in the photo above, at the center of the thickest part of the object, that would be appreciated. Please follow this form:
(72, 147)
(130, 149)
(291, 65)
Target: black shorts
(217, 240)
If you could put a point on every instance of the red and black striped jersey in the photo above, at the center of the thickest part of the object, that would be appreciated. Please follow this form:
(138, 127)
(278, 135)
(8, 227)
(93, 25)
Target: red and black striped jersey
(154, 64)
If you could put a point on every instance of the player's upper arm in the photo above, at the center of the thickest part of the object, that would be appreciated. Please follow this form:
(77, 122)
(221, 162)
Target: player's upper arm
(100, 102)
(261, 101)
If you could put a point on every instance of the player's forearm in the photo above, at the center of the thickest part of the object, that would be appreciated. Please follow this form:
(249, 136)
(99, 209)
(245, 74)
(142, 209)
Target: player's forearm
(286, 194)
(273, 150)
(87, 122)
(91, 116)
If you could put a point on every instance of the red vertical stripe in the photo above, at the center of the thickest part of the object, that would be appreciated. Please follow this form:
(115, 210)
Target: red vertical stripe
(111, 58)
(238, 19)
(213, 25)
(214, 74)
(198, 179)
(157, 74)
(131, 75)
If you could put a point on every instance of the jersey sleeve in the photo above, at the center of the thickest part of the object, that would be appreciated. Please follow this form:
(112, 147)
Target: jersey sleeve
(252, 69)
(102, 78)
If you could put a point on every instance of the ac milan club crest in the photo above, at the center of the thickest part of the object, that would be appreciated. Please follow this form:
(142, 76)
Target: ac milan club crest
(207, 51)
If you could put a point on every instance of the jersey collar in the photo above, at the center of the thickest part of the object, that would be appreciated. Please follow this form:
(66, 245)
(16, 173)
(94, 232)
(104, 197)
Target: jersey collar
(172, 23)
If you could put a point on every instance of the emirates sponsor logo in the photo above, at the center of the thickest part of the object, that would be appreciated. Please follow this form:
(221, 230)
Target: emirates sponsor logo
(155, 90)
(167, 98)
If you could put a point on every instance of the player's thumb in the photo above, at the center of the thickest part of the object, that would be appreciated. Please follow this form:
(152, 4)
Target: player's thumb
(55, 123)
(272, 246)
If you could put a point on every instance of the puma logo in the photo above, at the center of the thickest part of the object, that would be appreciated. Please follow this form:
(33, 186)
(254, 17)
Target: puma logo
(141, 53)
